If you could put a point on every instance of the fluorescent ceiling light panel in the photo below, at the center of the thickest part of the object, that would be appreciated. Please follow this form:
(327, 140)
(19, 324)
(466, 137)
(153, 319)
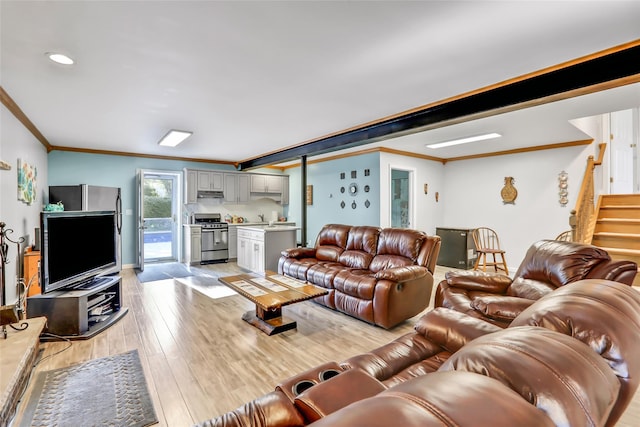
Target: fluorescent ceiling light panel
(59, 58)
(465, 140)
(174, 137)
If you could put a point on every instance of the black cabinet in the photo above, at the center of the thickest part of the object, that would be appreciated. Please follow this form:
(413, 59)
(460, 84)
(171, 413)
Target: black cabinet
(82, 312)
(457, 249)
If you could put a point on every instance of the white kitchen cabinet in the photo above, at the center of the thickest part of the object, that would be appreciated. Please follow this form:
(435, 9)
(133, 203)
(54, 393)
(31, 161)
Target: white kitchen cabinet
(210, 181)
(191, 186)
(266, 183)
(259, 247)
(236, 187)
(233, 242)
(285, 190)
(192, 244)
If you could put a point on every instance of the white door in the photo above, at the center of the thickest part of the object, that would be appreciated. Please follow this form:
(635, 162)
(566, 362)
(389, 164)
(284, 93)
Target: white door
(401, 197)
(158, 216)
(140, 221)
(623, 146)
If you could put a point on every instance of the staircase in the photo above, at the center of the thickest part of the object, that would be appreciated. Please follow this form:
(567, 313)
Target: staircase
(617, 227)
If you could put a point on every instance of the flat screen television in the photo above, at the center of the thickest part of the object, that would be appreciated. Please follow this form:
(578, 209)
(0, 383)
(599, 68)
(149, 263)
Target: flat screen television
(76, 248)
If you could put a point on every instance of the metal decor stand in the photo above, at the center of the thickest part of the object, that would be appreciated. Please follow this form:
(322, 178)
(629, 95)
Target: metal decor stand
(12, 313)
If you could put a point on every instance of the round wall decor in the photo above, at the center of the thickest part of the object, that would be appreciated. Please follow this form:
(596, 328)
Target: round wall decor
(353, 188)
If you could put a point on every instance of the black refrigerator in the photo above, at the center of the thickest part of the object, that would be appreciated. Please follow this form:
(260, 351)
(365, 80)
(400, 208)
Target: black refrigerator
(85, 197)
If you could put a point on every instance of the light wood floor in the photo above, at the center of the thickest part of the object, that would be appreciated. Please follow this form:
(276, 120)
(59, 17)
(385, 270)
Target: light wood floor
(201, 359)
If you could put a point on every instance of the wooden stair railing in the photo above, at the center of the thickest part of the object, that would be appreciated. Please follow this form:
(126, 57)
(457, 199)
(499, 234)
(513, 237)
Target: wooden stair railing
(582, 219)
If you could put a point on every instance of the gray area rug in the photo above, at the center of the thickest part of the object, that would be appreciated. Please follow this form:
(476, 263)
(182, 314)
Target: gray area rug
(110, 391)
(154, 272)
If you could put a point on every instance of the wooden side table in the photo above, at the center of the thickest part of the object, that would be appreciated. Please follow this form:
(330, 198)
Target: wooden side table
(31, 268)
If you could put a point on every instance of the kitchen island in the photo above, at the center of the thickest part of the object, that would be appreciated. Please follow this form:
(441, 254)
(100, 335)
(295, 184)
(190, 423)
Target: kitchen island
(259, 246)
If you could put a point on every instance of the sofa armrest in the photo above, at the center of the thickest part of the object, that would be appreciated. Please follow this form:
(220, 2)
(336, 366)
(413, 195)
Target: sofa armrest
(472, 280)
(402, 274)
(340, 391)
(271, 410)
(617, 271)
(451, 329)
(299, 253)
(501, 307)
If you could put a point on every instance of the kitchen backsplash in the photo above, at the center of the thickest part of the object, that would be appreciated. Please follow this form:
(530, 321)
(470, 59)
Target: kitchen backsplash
(250, 210)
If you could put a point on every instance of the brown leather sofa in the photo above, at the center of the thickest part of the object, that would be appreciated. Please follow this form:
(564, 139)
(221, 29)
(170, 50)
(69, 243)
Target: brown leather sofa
(381, 276)
(547, 265)
(570, 359)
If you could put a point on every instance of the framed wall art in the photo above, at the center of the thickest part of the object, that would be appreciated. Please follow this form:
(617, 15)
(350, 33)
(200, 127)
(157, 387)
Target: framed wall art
(27, 175)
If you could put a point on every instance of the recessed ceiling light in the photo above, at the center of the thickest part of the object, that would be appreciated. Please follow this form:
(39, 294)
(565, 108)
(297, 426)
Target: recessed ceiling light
(174, 137)
(465, 140)
(59, 58)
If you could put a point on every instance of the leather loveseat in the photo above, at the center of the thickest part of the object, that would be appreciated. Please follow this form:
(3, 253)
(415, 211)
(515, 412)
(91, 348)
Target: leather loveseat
(547, 265)
(381, 276)
(569, 359)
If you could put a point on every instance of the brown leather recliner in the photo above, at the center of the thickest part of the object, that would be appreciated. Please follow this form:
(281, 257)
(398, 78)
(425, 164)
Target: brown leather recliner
(381, 276)
(542, 373)
(548, 264)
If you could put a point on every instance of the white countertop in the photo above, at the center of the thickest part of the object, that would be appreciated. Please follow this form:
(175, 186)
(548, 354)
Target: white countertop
(244, 224)
(267, 229)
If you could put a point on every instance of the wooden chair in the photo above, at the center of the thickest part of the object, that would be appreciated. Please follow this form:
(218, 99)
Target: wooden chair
(565, 236)
(487, 243)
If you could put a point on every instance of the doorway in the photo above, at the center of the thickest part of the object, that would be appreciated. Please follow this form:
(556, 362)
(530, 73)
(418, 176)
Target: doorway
(624, 130)
(158, 213)
(401, 198)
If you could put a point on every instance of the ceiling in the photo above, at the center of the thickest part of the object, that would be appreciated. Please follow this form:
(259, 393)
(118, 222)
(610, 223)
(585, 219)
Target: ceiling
(254, 77)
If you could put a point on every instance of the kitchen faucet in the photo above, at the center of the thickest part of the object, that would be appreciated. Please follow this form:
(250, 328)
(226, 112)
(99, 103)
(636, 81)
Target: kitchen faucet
(261, 216)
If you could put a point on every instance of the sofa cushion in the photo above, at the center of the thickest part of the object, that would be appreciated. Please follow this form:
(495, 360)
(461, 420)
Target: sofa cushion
(296, 268)
(441, 399)
(331, 242)
(406, 357)
(357, 285)
(559, 263)
(558, 374)
(361, 247)
(604, 315)
(397, 247)
(323, 274)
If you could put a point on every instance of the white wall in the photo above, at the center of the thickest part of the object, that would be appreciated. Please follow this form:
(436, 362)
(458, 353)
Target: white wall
(471, 196)
(17, 142)
(428, 213)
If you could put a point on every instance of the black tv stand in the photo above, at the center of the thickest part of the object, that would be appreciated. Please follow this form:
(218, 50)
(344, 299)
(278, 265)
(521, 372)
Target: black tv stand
(92, 283)
(80, 312)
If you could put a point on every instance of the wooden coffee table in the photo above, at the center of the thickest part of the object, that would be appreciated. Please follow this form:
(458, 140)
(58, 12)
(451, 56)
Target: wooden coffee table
(270, 292)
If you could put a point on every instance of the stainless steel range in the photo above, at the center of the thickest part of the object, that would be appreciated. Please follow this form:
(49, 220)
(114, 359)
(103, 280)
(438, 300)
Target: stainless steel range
(215, 237)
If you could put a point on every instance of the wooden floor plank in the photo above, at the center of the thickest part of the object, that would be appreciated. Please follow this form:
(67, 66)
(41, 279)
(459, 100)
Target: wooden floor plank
(201, 359)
